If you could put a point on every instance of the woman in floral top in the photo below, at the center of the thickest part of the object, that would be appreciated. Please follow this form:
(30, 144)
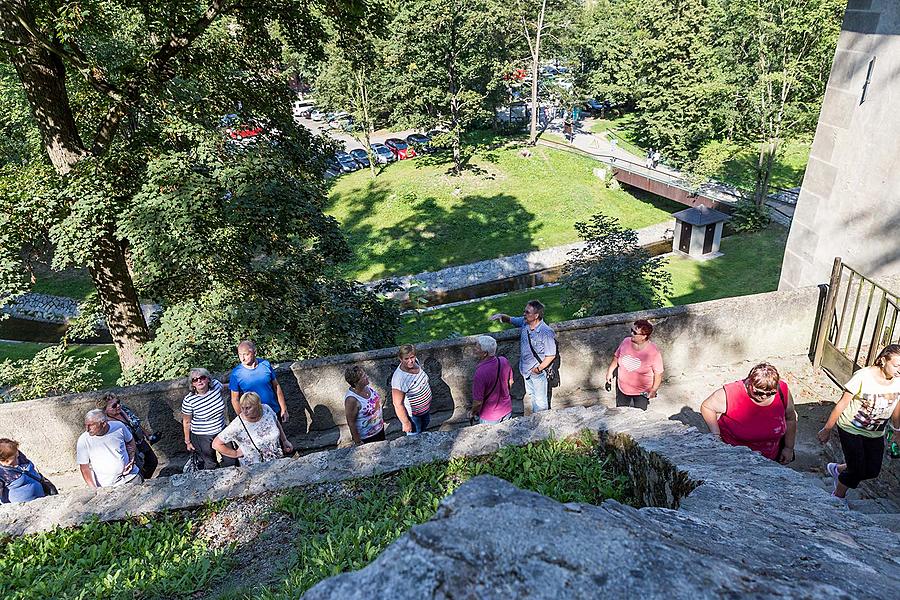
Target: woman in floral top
(256, 431)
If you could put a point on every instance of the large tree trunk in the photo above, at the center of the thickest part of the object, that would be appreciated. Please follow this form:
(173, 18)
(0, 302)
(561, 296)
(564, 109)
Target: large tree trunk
(119, 300)
(43, 77)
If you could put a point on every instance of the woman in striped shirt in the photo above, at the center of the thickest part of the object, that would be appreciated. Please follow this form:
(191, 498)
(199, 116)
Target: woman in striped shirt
(411, 392)
(203, 417)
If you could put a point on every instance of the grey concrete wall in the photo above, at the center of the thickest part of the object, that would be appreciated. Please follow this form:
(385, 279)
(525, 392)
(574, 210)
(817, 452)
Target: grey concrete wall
(849, 204)
(720, 332)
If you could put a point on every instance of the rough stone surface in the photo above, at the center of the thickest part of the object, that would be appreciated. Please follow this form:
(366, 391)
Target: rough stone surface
(185, 491)
(751, 529)
(691, 338)
(42, 307)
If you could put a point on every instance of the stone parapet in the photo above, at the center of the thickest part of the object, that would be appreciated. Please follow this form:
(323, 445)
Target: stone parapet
(719, 332)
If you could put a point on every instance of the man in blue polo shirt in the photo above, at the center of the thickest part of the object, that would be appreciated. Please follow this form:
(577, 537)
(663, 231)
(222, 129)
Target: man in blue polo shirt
(537, 350)
(256, 375)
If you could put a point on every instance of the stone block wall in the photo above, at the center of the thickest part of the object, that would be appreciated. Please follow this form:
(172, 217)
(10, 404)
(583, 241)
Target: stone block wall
(690, 337)
(849, 204)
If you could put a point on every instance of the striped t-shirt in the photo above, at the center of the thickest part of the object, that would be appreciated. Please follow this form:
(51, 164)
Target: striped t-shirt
(207, 411)
(416, 387)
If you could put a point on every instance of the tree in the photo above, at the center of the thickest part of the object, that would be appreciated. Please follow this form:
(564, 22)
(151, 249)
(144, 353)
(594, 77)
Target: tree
(447, 66)
(781, 52)
(112, 91)
(611, 273)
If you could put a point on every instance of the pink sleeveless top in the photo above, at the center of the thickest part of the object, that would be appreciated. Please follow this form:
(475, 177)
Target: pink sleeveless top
(746, 423)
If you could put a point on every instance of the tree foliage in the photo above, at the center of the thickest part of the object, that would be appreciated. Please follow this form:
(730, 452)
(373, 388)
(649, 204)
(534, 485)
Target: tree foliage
(611, 273)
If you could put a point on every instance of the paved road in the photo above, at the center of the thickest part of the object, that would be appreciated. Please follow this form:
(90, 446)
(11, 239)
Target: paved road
(350, 142)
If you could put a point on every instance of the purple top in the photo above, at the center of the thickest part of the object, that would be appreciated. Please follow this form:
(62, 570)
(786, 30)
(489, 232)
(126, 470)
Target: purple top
(497, 404)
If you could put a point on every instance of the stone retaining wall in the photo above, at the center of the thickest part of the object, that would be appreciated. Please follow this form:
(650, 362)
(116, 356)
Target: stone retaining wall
(42, 307)
(710, 333)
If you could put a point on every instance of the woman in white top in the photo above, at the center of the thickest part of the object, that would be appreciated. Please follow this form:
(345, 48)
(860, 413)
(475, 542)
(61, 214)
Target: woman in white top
(256, 431)
(362, 407)
(870, 399)
(411, 392)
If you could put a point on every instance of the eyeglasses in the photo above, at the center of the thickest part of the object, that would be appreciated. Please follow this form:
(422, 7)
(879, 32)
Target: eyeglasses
(636, 332)
(763, 393)
(196, 379)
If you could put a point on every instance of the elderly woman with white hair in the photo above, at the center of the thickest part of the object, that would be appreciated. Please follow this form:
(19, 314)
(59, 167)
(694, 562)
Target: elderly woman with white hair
(256, 431)
(203, 417)
(491, 402)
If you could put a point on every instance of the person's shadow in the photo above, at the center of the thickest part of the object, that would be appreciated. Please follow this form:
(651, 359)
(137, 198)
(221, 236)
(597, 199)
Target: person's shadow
(442, 404)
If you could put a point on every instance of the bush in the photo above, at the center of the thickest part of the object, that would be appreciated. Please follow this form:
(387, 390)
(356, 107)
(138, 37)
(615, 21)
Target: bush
(748, 217)
(52, 372)
(612, 273)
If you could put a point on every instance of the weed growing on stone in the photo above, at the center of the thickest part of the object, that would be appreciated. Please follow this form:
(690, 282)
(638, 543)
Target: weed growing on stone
(156, 557)
(346, 528)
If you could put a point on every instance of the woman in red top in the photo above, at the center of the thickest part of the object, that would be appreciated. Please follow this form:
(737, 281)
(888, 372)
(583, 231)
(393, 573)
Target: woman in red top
(756, 412)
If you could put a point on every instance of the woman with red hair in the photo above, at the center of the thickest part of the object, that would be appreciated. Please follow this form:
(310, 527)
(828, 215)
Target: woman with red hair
(757, 412)
(640, 368)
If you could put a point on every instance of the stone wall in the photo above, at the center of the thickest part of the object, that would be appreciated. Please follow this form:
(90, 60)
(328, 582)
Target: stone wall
(42, 307)
(711, 333)
(849, 204)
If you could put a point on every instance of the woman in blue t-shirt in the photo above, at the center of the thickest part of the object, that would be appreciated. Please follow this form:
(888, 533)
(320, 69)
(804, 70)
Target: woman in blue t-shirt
(20, 481)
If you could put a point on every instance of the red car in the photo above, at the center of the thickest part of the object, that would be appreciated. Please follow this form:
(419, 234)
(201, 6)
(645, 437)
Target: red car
(245, 131)
(399, 148)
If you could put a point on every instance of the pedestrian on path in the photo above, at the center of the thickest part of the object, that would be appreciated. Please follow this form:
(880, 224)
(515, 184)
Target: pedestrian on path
(411, 392)
(639, 366)
(870, 399)
(362, 408)
(537, 351)
(649, 161)
(203, 412)
(656, 158)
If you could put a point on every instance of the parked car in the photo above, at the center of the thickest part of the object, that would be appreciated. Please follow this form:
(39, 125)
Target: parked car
(317, 115)
(333, 166)
(400, 148)
(346, 162)
(361, 157)
(306, 113)
(419, 142)
(383, 154)
(245, 132)
(594, 107)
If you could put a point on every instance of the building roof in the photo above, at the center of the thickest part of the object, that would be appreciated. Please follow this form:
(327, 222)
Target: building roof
(700, 215)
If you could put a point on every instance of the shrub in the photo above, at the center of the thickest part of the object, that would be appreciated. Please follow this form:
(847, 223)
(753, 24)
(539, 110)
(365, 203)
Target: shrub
(52, 372)
(611, 273)
(748, 217)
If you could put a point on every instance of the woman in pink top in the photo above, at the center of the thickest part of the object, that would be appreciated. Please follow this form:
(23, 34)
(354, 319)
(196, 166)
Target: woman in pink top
(757, 412)
(640, 368)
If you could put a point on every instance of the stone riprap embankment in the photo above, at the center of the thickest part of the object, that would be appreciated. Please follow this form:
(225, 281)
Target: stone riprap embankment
(485, 271)
(42, 307)
(750, 529)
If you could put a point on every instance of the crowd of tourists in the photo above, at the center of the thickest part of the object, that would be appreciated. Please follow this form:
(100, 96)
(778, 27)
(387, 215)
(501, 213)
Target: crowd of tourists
(757, 411)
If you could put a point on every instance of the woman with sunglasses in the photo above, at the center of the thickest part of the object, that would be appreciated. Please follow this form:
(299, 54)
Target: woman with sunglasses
(757, 412)
(871, 398)
(640, 368)
(203, 417)
(145, 459)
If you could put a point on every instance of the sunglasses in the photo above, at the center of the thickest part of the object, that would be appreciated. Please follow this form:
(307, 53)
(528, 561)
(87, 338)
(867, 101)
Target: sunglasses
(636, 332)
(763, 393)
(196, 379)
(115, 405)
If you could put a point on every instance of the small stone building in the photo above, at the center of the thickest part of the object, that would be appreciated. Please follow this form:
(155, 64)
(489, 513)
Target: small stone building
(698, 232)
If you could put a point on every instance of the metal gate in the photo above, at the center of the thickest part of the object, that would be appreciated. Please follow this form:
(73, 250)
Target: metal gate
(858, 319)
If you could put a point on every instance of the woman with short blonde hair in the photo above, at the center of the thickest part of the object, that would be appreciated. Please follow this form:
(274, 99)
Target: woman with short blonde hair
(256, 431)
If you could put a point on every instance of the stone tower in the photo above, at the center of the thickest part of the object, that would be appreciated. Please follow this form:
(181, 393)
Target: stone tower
(849, 205)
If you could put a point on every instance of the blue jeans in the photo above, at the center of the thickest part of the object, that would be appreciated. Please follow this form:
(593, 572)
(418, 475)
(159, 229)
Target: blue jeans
(536, 386)
(420, 423)
(506, 417)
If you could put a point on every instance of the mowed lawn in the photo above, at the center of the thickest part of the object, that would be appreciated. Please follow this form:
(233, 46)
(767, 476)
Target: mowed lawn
(751, 264)
(415, 217)
(109, 367)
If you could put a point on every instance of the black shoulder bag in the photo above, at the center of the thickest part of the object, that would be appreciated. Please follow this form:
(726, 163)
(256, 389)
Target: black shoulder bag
(491, 391)
(251, 439)
(552, 369)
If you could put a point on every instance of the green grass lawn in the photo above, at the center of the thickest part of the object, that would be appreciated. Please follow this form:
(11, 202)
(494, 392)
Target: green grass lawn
(74, 283)
(788, 172)
(751, 264)
(416, 217)
(109, 367)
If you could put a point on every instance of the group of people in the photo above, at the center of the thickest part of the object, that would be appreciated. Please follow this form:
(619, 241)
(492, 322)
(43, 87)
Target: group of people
(653, 158)
(757, 411)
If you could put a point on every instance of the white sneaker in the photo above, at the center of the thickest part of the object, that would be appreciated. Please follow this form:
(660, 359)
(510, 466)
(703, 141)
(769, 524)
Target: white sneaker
(832, 469)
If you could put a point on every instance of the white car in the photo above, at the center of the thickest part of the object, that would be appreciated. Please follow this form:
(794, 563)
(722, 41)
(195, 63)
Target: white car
(317, 115)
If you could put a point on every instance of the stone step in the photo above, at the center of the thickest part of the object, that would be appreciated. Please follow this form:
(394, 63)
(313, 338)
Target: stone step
(890, 521)
(873, 506)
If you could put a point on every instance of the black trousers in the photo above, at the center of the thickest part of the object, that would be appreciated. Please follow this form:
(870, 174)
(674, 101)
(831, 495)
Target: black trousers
(378, 437)
(147, 460)
(208, 458)
(640, 401)
(863, 456)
